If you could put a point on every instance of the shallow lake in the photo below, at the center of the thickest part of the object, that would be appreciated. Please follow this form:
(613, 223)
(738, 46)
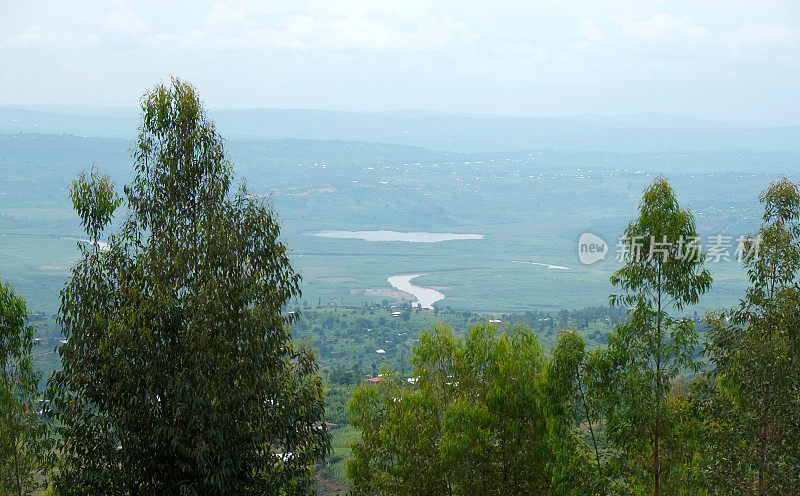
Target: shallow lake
(410, 237)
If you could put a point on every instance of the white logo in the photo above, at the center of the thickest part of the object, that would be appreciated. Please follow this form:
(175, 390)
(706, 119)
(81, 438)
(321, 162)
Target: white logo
(591, 248)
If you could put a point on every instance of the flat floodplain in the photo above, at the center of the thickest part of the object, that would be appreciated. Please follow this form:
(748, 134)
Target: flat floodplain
(498, 234)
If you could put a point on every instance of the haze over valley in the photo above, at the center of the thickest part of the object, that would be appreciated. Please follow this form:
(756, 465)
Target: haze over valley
(508, 205)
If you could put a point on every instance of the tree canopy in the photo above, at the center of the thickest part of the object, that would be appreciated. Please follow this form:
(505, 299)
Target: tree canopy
(662, 272)
(180, 375)
(473, 418)
(752, 404)
(22, 441)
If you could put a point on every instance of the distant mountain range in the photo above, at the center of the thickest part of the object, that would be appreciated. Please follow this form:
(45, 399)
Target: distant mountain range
(643, 132)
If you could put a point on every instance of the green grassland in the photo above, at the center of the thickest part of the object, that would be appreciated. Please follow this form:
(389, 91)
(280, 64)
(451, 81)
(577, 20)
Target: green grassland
(332, 474)
(529, 207)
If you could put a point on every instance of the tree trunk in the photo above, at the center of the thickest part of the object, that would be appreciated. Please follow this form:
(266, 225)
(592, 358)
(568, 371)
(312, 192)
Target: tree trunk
(16, 462)
(589, 421)
(657, 469)
(657, 433)
(762, 462)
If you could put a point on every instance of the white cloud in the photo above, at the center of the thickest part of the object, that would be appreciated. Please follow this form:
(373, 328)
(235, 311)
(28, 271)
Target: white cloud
(114, 27)
(523, 50)
(664, 27)
(308, 32)
(239, 27)
(375, 53)
(590, 31)
(762, 39)
(123, 21)
(32, 36)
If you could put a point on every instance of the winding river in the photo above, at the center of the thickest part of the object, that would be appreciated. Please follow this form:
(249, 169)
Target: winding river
(425, 296)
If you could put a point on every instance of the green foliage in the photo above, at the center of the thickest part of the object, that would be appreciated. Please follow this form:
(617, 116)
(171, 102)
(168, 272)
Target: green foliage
(648, 351)
(180, 375)
(475, 421)
(347, 338)
(21, 429)
(752, 401)
(581, 465)
(618, 420)
(95, 200)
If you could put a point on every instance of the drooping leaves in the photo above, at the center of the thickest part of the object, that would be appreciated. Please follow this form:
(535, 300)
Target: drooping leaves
(180, 375)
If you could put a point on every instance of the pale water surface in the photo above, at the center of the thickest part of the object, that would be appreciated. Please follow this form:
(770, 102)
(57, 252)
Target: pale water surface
(425, 296)
(411, 237)
(548, 265)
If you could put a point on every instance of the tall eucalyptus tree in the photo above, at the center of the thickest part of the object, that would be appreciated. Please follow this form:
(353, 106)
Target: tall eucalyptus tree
(180, 375)
(22, 440)
(663, 273)
(755, 350)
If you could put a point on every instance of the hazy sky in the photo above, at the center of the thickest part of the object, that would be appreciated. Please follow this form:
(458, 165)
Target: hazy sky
(731, 60)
